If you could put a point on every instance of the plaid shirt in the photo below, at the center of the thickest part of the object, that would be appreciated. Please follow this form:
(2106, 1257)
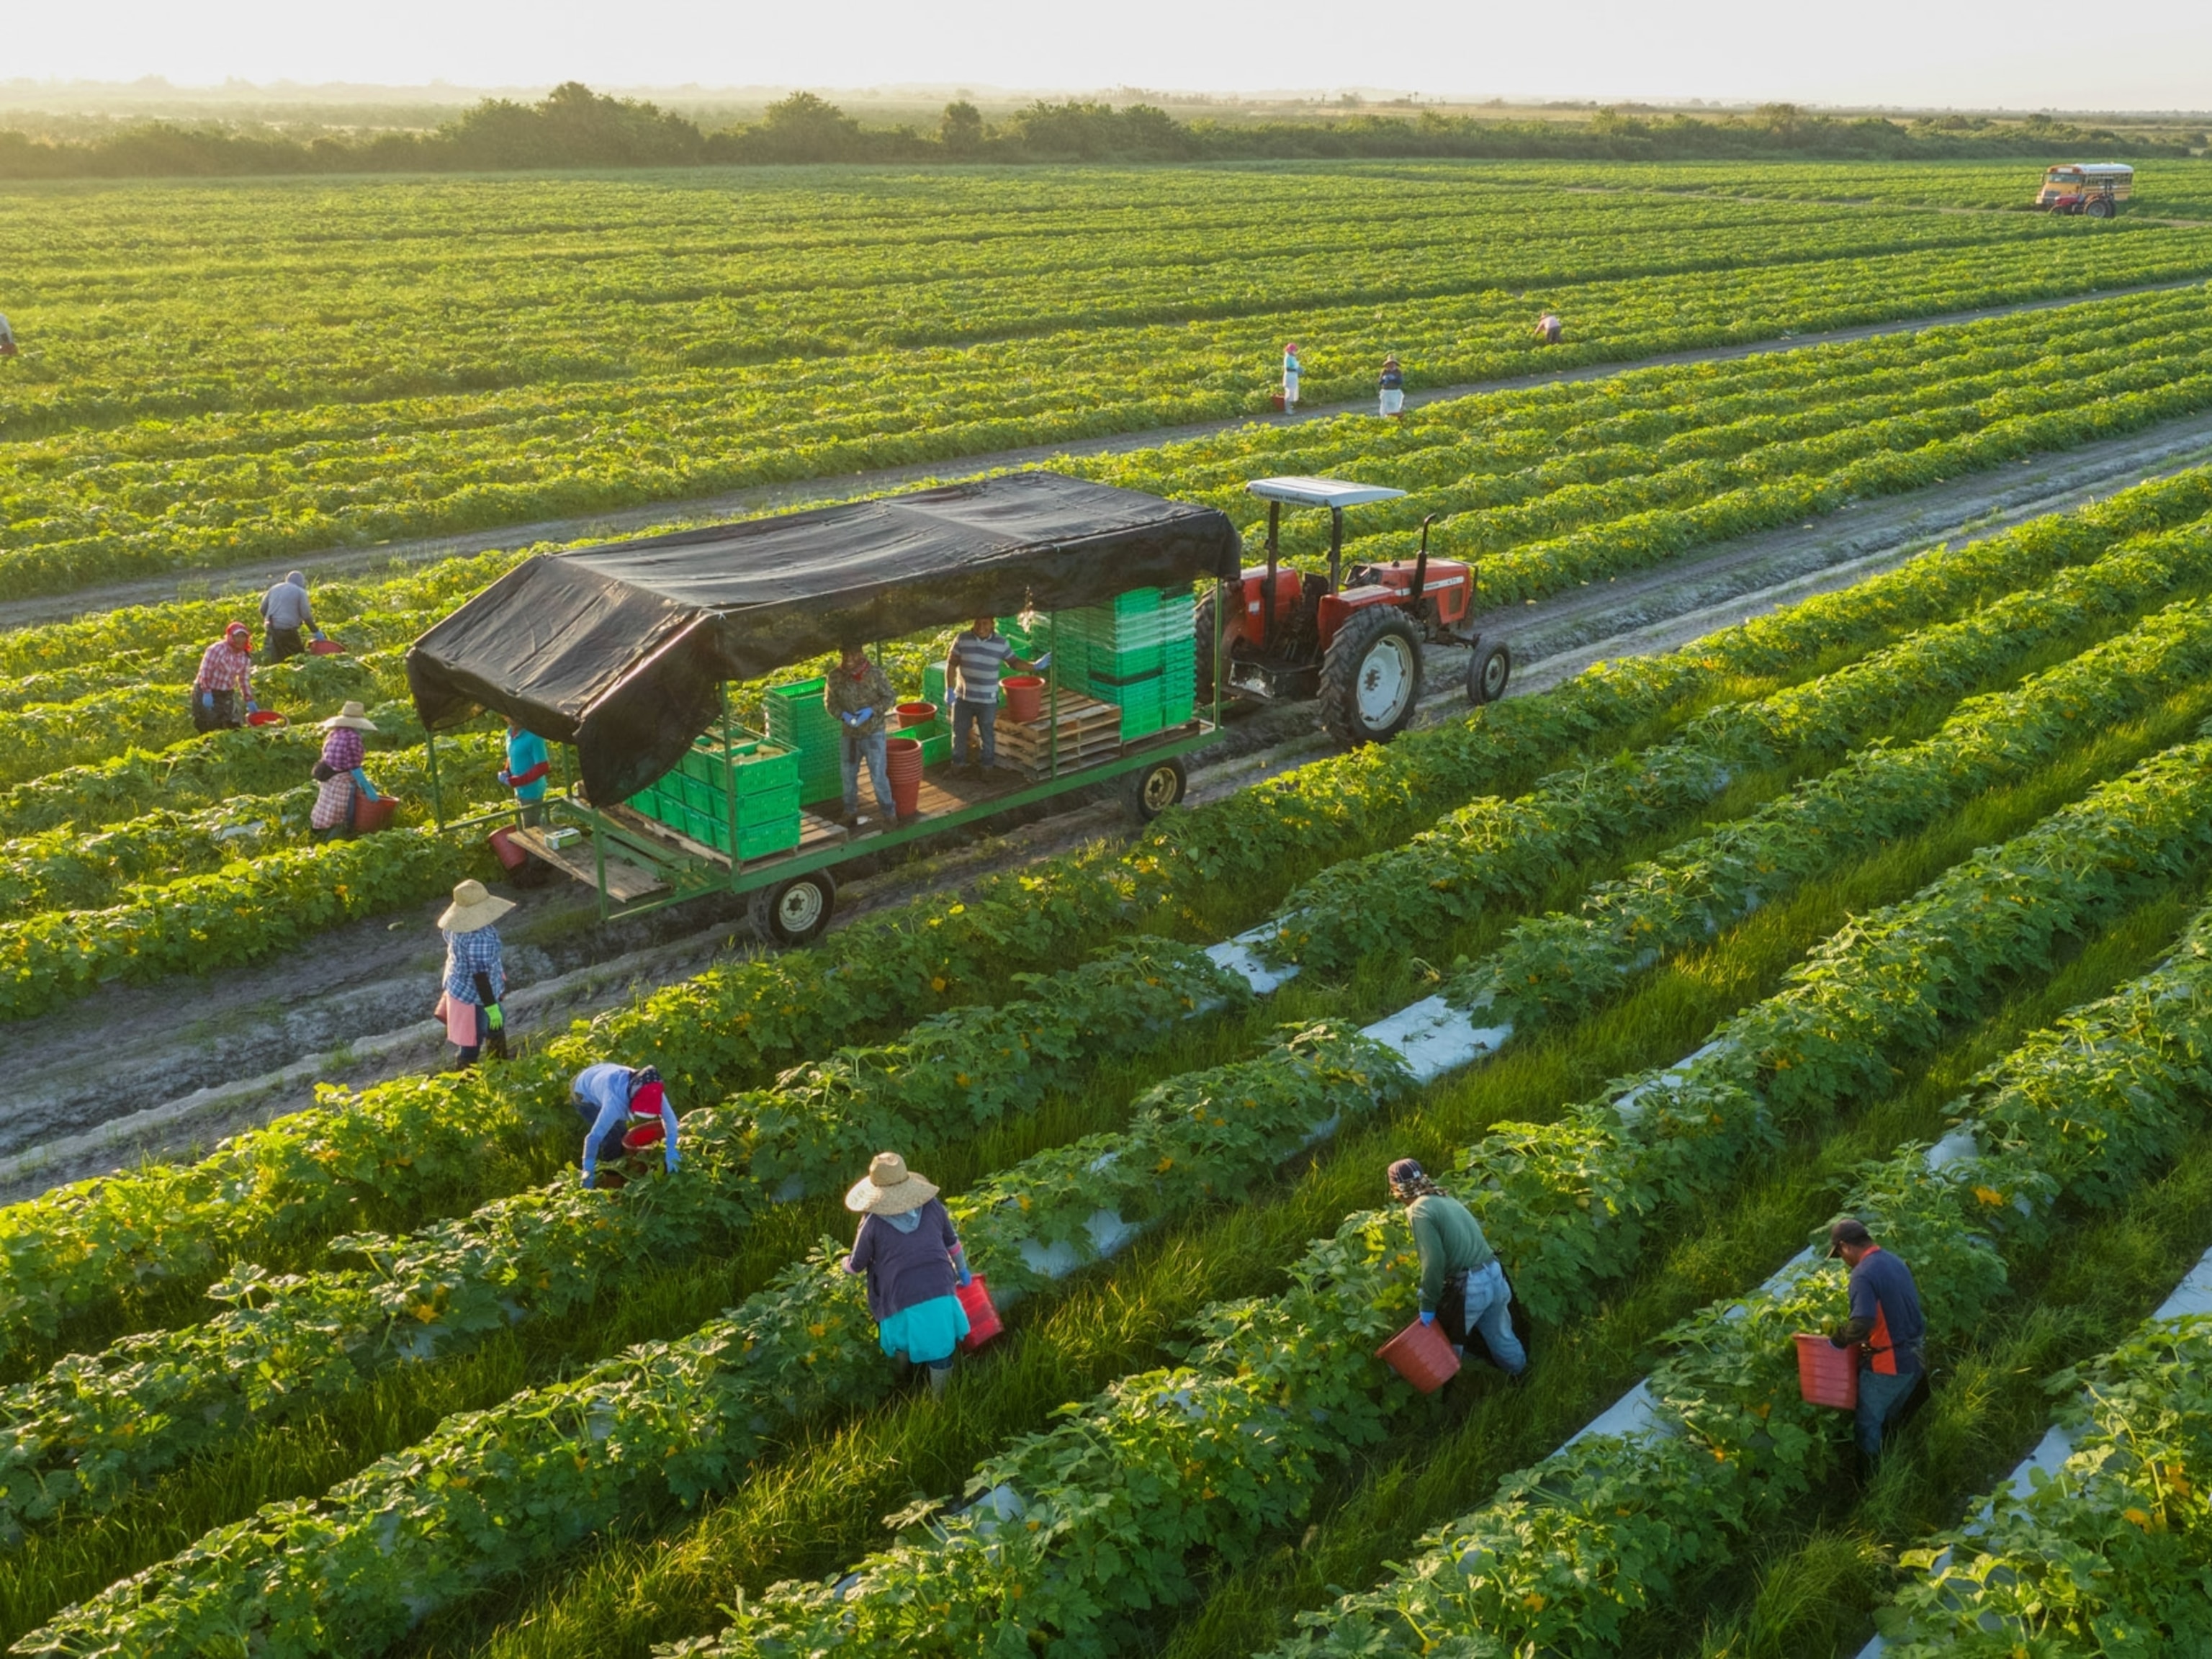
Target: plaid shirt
(222, 669)
(469, 954)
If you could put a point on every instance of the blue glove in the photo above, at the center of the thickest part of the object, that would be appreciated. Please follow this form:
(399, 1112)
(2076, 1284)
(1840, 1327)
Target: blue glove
(966, 1278)
(1428, 1315)
(864, 714)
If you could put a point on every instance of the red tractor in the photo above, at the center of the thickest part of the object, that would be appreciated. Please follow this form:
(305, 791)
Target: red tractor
(1351, 640)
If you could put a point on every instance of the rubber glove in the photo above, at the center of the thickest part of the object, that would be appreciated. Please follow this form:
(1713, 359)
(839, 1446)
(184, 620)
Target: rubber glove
(1428, 1315)
(504, 781)
(966, 1278)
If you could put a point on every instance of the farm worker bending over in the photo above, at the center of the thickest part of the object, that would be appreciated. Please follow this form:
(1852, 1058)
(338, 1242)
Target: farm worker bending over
(1462, 1286)
(914, 1262)
(1885, 1319)
(287, 614)
(339, 773)
(528, 767)
(223, 690)
(1549, 328)
(1393, 389)
(1290, 378)
(979, 656)
(859, 693)
(624, 1111)
(476, 976)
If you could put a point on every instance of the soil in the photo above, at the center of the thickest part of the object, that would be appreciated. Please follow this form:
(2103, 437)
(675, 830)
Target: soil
(160, 1070)
(252, 578)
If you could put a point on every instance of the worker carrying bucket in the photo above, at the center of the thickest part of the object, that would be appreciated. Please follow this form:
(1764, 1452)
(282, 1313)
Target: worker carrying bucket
(1463, 1288)
(915, 1267)
(1886, 1325)
(626, 1114)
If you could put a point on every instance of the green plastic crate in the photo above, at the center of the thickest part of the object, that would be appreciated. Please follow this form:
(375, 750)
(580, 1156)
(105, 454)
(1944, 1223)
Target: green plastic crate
(781, 837)
(767, 770)
(754, 810)
(937, 748)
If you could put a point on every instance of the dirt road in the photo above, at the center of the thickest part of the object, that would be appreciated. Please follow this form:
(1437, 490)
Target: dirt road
(674, 514)
(154, 1070)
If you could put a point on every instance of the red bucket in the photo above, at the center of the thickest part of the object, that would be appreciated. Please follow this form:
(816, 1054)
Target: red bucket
(915, 714)
(370, 816)
(904, 758)
(983, 1322)
(1827, 1375)
(1421, 1355)
(265, 717)
(1025, 697)
(503, 848)
(326, 647)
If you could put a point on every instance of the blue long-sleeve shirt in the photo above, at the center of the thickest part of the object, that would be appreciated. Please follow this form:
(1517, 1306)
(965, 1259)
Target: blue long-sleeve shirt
(608, 1087)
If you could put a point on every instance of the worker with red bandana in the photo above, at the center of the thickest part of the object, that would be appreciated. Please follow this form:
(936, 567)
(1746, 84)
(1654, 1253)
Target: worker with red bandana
(624, 1111)
(1886, 1327)
(223, 690)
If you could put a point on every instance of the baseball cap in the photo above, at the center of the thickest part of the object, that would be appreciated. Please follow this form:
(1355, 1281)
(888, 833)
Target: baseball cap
(1847, 1229)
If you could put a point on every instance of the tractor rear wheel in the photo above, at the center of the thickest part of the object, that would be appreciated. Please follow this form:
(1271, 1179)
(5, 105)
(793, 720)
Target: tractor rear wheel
(796, 911)
(1488, 668)
(1372, 678)
(2098, 208)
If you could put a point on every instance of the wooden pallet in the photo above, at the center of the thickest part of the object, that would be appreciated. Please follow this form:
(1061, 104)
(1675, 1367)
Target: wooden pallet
(814, 834)
(1088, 732)
(625, 881)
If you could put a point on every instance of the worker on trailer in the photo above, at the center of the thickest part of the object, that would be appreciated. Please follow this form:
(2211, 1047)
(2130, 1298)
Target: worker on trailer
(339, 773)
(624, 1111)
(980, 655)
(223, 690)
(859, 694)
(1393, 389)
(914, 1263)
(1290, 378)
(476, 973)
(288, 614)
(528, 766)
(1886, 1325)
(1549, 328)
(1463, 1287)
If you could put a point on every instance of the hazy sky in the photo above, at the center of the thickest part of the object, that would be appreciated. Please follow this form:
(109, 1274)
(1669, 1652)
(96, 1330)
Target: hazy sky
(2030, 54)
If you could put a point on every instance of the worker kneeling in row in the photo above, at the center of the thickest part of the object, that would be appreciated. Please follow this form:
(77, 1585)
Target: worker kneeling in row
(625, 1113)
(1463, 1288)
(914, 1264)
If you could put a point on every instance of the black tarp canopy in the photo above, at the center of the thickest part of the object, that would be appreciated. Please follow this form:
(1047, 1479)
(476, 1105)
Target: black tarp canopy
(623, 650)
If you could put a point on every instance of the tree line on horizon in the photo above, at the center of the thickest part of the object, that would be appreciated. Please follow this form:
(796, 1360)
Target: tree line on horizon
(572, 126)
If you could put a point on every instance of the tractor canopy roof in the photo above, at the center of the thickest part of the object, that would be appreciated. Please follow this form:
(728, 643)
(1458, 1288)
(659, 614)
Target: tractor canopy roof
(622, 649)
(1320, 492)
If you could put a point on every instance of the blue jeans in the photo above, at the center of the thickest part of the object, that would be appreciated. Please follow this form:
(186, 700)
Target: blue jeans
(876, 750)
(1489, 1301)
(984, 716)
(1881, 1393)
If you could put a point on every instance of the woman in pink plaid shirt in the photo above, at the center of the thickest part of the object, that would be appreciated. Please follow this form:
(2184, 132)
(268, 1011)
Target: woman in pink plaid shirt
(222, 691)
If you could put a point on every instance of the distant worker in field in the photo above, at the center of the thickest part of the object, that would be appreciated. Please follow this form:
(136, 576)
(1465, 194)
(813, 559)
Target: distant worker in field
(1463, 1288)
(1886, 1325)
(528, 766)
(222, 689)
(624, 1112)
(469, 1000)
(1549, 328)
(858, 694)
(287, 614)
(1393, 389)
(980, 655)
(7, 340)
(1290, 378)
(339, 773)
(914, 1264)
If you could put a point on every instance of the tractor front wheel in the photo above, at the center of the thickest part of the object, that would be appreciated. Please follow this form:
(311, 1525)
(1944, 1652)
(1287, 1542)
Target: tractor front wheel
(1372, 678)
(796, 911)
(1488, 668)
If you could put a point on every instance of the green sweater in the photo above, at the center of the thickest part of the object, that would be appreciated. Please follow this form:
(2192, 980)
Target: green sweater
(1450, 1241)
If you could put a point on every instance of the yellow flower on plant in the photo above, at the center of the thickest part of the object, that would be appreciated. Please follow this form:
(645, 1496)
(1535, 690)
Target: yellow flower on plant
(1533, 1602)
(2137, 1517)
(1990, 1195)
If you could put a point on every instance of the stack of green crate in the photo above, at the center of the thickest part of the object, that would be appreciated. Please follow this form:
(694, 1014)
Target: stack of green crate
(1139, 653)
(694, 799)
(797, 721)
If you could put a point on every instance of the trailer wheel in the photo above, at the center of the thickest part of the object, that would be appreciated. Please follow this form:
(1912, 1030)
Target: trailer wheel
(795, 911)
(1153, 789)
(1488, 668)
(2098, 208)
(1372, 678)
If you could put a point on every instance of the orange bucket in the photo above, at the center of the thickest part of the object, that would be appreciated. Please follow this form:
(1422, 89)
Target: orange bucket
(915, 714)
(370, 816)
(1025, 697)
(1421, 1355)
(1827, 1375)
(902, 760)
(983, 1321)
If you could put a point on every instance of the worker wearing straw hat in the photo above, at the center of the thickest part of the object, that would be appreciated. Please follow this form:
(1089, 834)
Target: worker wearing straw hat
(914, 1263)
(1393, 389)
(339, 772)
(475, 977)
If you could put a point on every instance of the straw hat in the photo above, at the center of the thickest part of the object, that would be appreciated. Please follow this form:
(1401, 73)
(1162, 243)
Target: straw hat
(889, 1189)
(473, 907)
(353, 717)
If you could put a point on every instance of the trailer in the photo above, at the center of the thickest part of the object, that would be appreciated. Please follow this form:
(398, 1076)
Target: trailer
(622, 658)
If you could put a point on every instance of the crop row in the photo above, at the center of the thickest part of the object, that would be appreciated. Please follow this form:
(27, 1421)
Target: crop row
(1571, 1550)
(480, 1501)
(209, 491)
(95, 1425)
(278, 1190)
(1079, 1528)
